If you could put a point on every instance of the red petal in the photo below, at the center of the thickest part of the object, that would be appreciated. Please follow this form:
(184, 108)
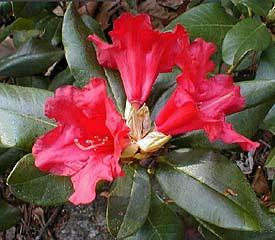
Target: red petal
(224, 131)
(140, 55)
(56, 152)
(85, 180)
(196, 61)
(179, 115)
(219, 96)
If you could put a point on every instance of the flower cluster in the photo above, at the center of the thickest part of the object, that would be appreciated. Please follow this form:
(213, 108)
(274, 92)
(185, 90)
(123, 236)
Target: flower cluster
(91, 136)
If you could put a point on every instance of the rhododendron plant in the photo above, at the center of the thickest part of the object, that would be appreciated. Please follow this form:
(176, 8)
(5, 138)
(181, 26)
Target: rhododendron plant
(91, 135)
(164, 117)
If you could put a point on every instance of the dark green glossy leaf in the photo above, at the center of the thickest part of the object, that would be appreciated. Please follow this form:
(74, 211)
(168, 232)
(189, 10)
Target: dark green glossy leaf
(79, 52)
(270, 162)
(21, 37)
(259, 7)
(9, 215)
(17, 25)
(164, 82)
(27, 183)
(257, 91)
(63, 78)
(32, 9)
(266, 68)
(269, 121)
(53, 31)
(22, 117)
(226, 234)
(161, 223)
(209, 21)
(129, 202)
(43, 21)
(33, 81)
(201, 181)
(5, 9)
(247, 35)
(33, 57)
(93, 25)
(8, 158)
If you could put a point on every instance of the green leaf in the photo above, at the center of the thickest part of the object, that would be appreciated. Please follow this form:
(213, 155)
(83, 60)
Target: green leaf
(33, 57)
(164, 82)
(5, 9)
(79, 52)
(33, 81)
(27, 183)
(210, 187)
(257, 91)
(161, 223)
(209, 21)
(259, 7)
(81, 56)
(22, 117)
(21, 37)
(32, 9)
(270, 162)
(43, 22)
(226, 234)
(247, 35)
(266, 68)
(129, 202)
(8, 158)
(269, 121)
(53, 31)
(17, 25)
(63, 78)
(93, 25)
(9, 215)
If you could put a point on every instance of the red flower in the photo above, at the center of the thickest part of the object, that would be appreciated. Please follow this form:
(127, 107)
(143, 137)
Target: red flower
(87, 142)
(139, 53)
(201, 103)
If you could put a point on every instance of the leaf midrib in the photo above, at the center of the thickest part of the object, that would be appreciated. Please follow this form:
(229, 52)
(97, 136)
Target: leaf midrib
(210, 25)
(127, 209)
(28, 116)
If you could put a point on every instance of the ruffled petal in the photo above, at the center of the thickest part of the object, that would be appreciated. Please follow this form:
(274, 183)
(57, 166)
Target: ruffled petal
(195, 61)
(222, 130)
(139, 55)
(56, 152)
(211, 99)
(85, 180)
(179, 115)
(88, 141)
(219, 95)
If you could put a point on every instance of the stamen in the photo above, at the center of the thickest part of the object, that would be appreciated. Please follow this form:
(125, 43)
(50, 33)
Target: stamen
(91, 143)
